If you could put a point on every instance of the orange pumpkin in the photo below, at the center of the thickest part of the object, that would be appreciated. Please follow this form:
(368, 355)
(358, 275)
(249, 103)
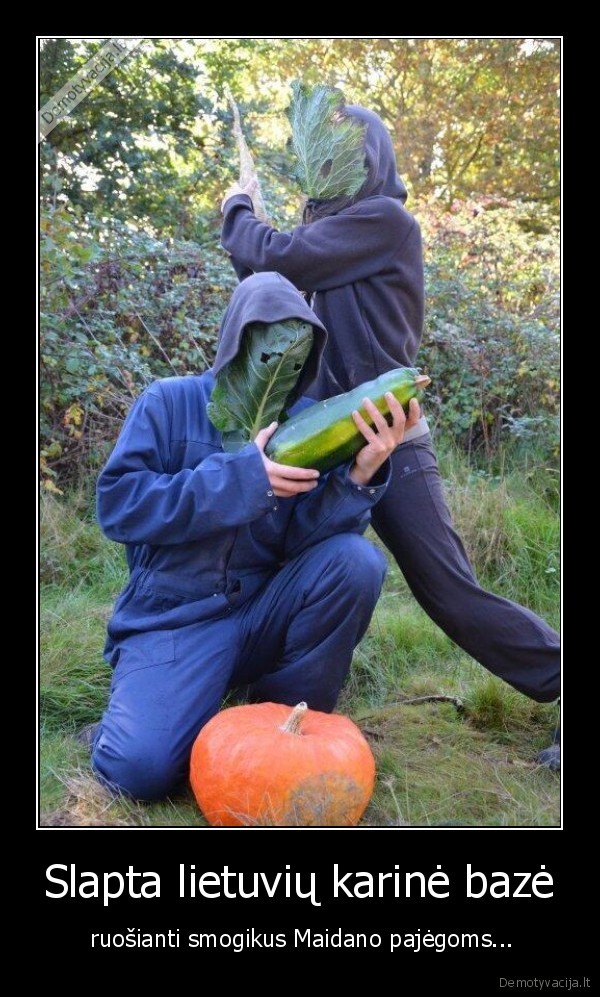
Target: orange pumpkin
(266, 765)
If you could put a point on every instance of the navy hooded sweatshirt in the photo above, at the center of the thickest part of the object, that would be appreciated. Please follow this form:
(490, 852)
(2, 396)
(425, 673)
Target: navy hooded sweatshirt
(202, 528)
(360, 258)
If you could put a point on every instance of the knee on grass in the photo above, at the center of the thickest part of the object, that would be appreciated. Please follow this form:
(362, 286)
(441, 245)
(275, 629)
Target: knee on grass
(144, 773)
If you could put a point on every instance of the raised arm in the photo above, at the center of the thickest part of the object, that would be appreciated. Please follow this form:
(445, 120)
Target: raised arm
(332, 251)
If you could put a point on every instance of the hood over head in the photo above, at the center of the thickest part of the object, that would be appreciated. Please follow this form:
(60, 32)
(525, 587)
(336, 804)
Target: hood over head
(380, 158)
(269, 298)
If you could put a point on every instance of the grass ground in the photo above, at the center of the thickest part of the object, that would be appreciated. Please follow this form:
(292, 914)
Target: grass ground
(436, 765)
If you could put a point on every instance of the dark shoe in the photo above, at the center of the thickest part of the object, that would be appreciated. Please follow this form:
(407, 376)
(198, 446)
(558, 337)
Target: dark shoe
(87, 735)
(550, 757)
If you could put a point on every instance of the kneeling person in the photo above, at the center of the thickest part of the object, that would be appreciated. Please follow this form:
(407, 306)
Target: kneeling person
(243, 572)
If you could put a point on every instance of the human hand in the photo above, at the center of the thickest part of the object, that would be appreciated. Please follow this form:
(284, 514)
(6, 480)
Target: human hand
(285, 481)
(381, 439)
(250, 188)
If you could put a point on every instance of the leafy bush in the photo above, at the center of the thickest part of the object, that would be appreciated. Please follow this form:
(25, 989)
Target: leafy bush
(492, 343)
(121, 307)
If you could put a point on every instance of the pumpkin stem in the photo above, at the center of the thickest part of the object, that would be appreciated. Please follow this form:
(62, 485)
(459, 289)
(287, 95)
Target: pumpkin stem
(292, 724)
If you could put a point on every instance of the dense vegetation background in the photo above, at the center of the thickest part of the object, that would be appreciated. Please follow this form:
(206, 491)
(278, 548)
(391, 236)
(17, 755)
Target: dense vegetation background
(133, 282)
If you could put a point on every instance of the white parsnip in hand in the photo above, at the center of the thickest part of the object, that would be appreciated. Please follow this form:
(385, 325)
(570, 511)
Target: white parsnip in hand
(247, 167)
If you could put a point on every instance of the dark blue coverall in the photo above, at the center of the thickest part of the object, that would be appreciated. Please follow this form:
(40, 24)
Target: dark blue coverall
(229, 585)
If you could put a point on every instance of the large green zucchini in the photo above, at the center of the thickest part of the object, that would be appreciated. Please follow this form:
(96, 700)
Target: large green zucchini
(324, 435)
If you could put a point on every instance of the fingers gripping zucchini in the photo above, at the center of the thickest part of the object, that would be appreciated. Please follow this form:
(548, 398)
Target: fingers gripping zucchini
(325, 435)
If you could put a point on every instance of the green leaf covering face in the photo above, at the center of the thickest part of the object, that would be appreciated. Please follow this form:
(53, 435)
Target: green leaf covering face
(252, 390)
(328, 145)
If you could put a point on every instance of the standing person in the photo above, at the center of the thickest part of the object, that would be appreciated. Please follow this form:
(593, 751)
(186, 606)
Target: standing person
(243, 572)
(360, 259)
